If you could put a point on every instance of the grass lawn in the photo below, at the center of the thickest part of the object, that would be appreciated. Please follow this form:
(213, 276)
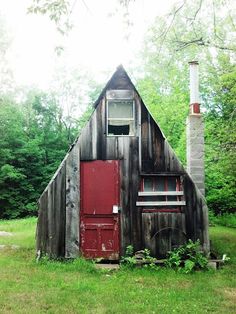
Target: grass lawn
(77, 287)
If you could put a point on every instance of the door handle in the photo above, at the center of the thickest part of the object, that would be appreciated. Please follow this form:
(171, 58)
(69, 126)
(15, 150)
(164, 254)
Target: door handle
(115, 209)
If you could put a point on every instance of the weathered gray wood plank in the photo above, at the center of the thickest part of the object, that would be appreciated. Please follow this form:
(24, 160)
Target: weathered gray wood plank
(50, 221)
(160, 193)
(72, 203)
(59, 203)
(42, 228)
(170, 203)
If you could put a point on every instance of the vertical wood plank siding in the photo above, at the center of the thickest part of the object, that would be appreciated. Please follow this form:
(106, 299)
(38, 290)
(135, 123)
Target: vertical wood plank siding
(163, 231)
(51, 220)
(58, 224)
(42, 232)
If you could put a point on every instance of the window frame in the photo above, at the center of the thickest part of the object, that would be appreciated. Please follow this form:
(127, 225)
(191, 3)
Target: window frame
(179, 193)
(115, 100)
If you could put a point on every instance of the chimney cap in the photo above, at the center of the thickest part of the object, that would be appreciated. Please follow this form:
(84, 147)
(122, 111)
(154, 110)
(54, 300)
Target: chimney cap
(193, 62)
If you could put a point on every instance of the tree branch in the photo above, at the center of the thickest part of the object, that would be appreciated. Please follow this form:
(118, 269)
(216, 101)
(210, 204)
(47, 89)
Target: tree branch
(170, 25)
(200, 42)
(197, 11)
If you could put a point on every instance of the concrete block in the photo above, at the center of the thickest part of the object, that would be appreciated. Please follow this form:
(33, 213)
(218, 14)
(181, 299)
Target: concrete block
(199, 154)
(198, 178)
(197, 169)
(197, 163)
(195, 122)
(196, 140)
(195, 129)
(195, 150)
(212, 265)
(200, 185)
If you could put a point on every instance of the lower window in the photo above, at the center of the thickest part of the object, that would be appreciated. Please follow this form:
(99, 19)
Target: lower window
(161, 193)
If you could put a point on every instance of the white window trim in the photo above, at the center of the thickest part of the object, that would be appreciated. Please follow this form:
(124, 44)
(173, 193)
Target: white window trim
(119, 119)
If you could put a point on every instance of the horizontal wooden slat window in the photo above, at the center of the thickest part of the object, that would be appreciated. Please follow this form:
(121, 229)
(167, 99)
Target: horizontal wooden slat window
(161, 193)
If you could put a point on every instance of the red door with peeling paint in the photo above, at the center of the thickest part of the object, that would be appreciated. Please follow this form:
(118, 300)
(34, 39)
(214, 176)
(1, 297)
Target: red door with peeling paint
(99, 218)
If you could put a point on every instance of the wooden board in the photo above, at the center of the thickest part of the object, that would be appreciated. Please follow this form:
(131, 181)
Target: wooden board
(163, 231)
(72, 203)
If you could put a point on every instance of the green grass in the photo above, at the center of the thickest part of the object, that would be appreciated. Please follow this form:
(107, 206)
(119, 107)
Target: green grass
(226, 219)
(77, 287)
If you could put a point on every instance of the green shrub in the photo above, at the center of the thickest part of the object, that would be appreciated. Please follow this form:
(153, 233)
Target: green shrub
(187, 258)
(129, 260)
(143, 258)
(227, 219)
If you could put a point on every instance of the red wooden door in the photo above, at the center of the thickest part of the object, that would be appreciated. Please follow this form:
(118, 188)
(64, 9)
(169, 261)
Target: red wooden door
(99, 218)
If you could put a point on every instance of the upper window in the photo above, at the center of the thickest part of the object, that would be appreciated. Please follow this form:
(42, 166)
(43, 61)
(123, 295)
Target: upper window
(120, 117)
(120, 113)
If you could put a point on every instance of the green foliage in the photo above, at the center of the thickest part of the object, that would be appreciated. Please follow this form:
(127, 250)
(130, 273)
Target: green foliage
(36, 132)
(129, 251)
(129, 259)
(224, 242)
(220, 144)
(186, 34)
(161, 100)
(187, 258)
(35, 136)
(225, 219)
(148, 259)
(58, 11)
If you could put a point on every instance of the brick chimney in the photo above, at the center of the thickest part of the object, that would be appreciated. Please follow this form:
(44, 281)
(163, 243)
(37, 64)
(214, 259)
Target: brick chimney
(195, 132)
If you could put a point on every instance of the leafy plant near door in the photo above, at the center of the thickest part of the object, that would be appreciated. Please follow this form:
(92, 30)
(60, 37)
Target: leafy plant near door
(187, 258)
(129, 258)
(139, 258)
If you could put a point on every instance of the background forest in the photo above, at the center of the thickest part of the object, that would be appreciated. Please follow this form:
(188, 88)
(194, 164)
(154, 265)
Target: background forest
(37, 127)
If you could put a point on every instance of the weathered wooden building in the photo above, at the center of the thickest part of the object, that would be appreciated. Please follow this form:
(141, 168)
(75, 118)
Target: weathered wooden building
(120, 184)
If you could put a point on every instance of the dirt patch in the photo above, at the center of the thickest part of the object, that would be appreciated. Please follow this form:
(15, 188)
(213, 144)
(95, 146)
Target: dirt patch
(230, 293)
(13, 246)
(107, 266)
(229, 304)
(5, 234)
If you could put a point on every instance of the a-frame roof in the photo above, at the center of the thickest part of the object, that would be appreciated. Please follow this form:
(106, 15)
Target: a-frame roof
(117, 80)
(121, 80)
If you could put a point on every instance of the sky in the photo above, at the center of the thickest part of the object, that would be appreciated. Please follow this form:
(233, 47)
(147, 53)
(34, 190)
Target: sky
(97, 40)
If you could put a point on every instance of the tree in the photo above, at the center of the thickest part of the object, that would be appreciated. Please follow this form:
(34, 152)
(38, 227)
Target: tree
(208, 23)
(33, 143)
(169, 45)
(73, 89)
(221, 145)
(60, 11)
(12, 177)
(35, 136)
